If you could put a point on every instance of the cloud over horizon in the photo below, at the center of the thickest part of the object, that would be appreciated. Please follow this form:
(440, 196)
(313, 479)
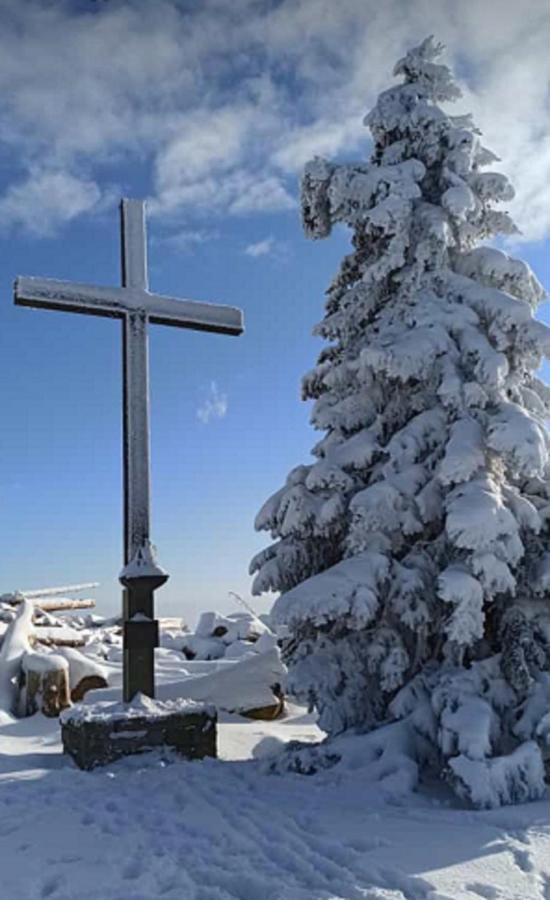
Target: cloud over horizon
(222, 105)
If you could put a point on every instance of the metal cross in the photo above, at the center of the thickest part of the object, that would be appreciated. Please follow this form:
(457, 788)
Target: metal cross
(136, 306)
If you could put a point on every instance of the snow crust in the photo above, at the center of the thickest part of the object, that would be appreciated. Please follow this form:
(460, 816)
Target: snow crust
(351, 588)
(127, 830)
(233, 685)
(81, 666)
(140, 707)
(247, 826)
(501, 780)
(44, 662)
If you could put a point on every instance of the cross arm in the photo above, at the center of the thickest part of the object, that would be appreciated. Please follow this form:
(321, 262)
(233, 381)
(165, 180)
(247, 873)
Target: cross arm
(47, 293)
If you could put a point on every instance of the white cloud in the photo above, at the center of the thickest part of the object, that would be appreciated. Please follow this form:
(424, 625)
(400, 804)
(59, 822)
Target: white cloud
(187, 239)
(260, 248)
(257, 193)
(207, 145)
(322, 138)
(234, 192)
(223, 103)
(47, 199)
(214, 405)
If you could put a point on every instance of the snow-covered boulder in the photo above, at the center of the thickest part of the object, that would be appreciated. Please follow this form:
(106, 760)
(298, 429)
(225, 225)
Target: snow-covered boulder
(230, 637)
(236, 626)
(197, 647)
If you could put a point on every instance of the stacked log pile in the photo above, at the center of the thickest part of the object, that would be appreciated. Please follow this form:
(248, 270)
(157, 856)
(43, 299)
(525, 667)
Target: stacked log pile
(49, 630)
(33, 678)
(53, 650)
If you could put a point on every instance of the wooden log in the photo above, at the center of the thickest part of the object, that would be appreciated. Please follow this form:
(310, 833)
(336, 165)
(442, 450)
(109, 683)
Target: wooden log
(88, 683)
(46, 684)
(58, 636)
(18, 596)
(63, 604)
(271, 711)
(58, 642)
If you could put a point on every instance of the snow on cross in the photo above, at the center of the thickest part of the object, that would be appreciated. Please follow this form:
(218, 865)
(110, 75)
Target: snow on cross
(136, 306)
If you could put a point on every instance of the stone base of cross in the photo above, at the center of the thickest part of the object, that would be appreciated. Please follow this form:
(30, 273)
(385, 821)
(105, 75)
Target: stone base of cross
(136, 306)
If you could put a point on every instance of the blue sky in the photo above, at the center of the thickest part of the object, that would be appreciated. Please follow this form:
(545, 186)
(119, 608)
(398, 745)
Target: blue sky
(209, 111)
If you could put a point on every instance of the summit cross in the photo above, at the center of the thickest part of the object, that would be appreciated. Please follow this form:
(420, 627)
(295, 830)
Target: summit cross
(136, 306)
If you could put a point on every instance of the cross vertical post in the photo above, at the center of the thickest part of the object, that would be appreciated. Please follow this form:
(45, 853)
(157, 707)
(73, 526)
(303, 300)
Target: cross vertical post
(135, 363)
(140, 576)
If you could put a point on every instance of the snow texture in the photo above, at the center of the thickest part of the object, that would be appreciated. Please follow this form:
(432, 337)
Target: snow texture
(44, 662)
(233, 685)
(157, 826)
(81, 666)
(412, 551)
(242, 827)
(141, 707)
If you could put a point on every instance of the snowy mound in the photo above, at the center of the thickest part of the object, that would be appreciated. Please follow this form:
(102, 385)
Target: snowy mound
(227, 637)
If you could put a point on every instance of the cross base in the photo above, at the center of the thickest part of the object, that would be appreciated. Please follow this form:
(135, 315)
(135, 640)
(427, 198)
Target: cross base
(139, 641)
(140, 634)
(103, 732)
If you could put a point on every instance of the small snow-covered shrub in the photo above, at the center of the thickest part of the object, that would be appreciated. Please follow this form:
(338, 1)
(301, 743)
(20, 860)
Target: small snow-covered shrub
(411, 554)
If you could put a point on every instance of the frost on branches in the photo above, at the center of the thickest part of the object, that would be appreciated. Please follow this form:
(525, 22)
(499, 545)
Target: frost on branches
(412, 556)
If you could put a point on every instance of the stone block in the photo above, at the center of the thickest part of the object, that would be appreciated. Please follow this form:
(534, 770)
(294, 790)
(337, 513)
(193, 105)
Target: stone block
(102, 732)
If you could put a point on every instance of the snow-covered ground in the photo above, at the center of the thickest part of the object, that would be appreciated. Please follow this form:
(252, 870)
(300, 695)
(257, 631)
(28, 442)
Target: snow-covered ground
(148, 828)
(156, 826)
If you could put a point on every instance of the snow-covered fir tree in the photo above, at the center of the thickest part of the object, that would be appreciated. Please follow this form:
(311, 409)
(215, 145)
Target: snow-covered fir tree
(412, 555)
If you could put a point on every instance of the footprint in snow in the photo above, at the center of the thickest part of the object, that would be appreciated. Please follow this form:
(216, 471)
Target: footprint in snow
(487, 891)
(133, 869)
(51, 886)
(523, 859)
